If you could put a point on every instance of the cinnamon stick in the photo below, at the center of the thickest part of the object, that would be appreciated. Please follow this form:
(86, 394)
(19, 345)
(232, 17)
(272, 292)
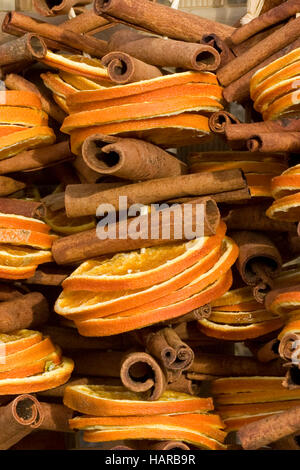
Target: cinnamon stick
(141, 373)
(259, 261)
(37, 158)
(184, 385)
(271, 17)
(48, 276)
(55, 417)
(253, 217)
(258, 53)
(171, 351)
(122, 68)
(18, 24)
(270, 429)
(274, 142)
(268, 351)
(292, 377)
(16, 82)
(85, 22)
(197, 314)
(237, 195)
(9, 185)
(21, 207)
(213, 40)
(60, 7)
(160, 19)
(27, 311)
(18, 419)
(87, 244)
(131, 159)
(165, 53)
(245, 131)
(79, 203)
(28, 47)
(289, 345)
(219, 120)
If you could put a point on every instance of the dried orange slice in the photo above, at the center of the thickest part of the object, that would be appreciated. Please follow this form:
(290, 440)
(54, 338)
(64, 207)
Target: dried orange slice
(82, 305)
(37, 367)
(20, 257)
(20, 98)
(14, 273)
(286, 208)
(241, 317)
(234, 385)
(137, 269)
(57, 85)
(27, 355)
(83, 83)
(61, 103)
(18, 340)
(18, 115)
(58, 375)
(26, 238)
(10, 129)
(284, 106)
(167, 131)
(108, 400)
(20, 222)
(60, 223)
(282, 394)
(238, 333)
(139, 111)
(285, 302)
(28, 138)
(266, 98)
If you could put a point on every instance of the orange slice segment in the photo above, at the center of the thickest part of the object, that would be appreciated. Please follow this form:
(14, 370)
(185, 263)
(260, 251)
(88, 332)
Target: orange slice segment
(26, 356)
(20, 98)
(60, 223)
(18, 115)
(18, 340)
(26, 238)
(286, 208)
(17, 256)
(28, 138)
(20, 222)
(14, 273)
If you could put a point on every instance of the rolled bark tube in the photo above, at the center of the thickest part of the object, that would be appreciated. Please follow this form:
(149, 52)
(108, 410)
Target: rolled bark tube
(258, 53)
(227, 197)
(168, 445)
(122, 68)
(292, 377)
(259, 261)
(226, 54)
(271, 17)
(20, 207)
(184, 385)
(234, 366)
(165, 52)
(17, 23)
(140, 373)
(239, 89)
(239, 49)
(57, 7)
(253, 217)
(85, 22)
(129, 158)
(9, 186)
(88, 245)
(28, 311)
(197, 314)
(268, 351)
(28, 47)
(16, 82)
(274, 142)
(160, 19)
(245, 131)
(48, 276)
(79, 201)
(98, 363)
(18, 419)
(219, 120)
(166, 346)
(36, 158)
(270, 429)
(288, 347)
(55, 417)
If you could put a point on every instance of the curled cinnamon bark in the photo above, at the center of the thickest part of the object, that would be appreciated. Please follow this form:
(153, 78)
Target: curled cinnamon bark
(27, 311)
(131, 159)
(86, 22)
(292, 377)
(122, 68)
(57, 7)
(165, 52)
(20, 207)
(18, 419)
(258, 263)
(213, 40)
(48, 276)
(9, 186)
(141, 373)
(197, 314)
(220, 119)
(274, 142)
(245, 131)
(184, 385)
(260, 433)
(55, 417)
(268, 351)
(28, 47)
(289, 346)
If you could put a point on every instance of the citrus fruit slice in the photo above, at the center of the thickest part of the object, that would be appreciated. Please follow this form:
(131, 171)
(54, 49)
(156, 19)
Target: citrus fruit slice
(60, 223)
(26, 238)
(18, 340)
(27, 355)
(20, 222)
(14, 273)
(20, 98)
(27, 139)
(18, 256)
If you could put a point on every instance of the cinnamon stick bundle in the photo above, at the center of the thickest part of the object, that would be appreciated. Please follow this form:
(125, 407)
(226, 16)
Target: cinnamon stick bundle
(87, 244)
(166, 345)
(9, 185)
(28, 311)
(271, 17)
(59, 7)
(270, 429)
(141, 373)
(21, 207)
(259, 261)
(16, 82)
(219, 120)
(245, 131)
(258, 53)
(18, 24)
(274, 142)
(81, 201)
(28, 47)
(18, 419)
(122, 68)
(37, 158)
(160, 19)
(165, 52)
(253, 217)
(131, 159)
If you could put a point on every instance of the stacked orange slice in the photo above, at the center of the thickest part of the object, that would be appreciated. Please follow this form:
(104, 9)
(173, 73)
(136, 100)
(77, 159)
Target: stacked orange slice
(24, 244)
(275, 88)
(259, 170)
(236, 316)
(242, 400)
(286, 192)
(170, 110)
(112, 413)
(140, 288)
(23, 123)
(30, 362)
